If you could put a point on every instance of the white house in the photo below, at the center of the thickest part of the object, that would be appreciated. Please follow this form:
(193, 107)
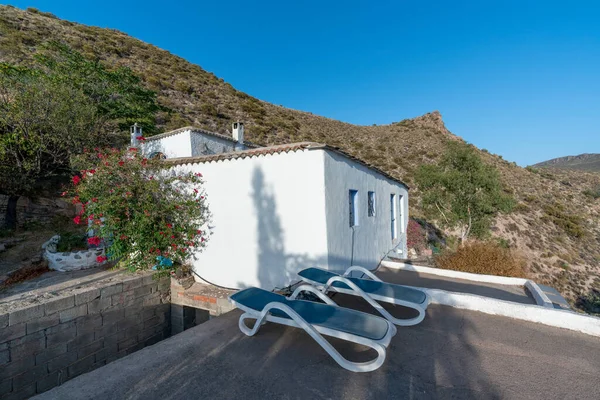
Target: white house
(190, 142)
(277, 210)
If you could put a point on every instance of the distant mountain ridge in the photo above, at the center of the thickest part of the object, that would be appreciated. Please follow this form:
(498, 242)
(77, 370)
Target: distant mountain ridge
(583, 162)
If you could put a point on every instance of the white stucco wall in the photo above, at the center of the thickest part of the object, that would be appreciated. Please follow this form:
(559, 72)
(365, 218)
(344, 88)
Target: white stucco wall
(203, 144)
(174, 146)
(268, 218)
(372, 236)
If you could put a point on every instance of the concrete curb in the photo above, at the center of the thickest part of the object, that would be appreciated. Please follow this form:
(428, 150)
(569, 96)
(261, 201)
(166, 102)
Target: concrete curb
(533, 313)
(540, 297)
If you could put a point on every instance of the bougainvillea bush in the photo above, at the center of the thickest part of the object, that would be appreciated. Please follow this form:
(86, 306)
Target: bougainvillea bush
(416, 236)
(139, 210)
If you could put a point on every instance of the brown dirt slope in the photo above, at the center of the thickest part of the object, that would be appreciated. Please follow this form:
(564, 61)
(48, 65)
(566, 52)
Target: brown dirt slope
(556, 226)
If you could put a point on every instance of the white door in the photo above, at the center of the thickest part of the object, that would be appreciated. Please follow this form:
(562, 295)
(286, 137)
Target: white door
(393, 213)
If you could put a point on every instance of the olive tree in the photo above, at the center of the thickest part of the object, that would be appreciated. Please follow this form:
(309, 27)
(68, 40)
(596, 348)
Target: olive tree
(463, 192)
(56, 108)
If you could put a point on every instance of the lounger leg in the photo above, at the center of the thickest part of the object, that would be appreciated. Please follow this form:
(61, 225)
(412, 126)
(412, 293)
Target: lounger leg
(363, 271)
(313, 290)
(260, 321)
(378, 307)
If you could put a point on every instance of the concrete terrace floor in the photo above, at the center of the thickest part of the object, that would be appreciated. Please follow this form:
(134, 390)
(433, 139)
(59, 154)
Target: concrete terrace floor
(451, 354)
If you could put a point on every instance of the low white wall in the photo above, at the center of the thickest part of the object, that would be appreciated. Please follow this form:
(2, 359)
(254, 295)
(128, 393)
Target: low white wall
(73, 261)
(268, 218)
(526, 312)
(538, 294)
(174, 146)
(368, 242)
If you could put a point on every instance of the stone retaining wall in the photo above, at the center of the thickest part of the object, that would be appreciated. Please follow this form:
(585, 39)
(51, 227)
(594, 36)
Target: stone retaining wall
(44, 345)
(40, 211)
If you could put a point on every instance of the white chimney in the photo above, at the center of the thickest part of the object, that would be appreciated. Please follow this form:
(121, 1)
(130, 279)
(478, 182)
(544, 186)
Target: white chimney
(135, 132)
(238, 132)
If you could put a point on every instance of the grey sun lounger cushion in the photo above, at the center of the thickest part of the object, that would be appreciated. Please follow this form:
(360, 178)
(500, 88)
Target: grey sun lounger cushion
(337, 318)
(369, 286)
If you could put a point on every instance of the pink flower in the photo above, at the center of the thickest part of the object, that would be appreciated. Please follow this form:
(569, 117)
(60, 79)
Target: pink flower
(77, 219)
(140, 138)
(94, 240)
(198, 174)
(101, 259)
(121, 163)
(169, 226)
(92, 171)
(76, 179)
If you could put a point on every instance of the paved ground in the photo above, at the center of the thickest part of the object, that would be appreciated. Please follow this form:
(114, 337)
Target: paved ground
(451, 354)
(517, 294)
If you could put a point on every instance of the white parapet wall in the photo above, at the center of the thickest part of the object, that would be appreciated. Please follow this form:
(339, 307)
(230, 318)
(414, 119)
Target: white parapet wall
(527, 312)
(543, 313)
(540, 297)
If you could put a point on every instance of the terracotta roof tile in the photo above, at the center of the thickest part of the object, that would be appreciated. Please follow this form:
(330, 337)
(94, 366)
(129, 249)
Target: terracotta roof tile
(284, 148)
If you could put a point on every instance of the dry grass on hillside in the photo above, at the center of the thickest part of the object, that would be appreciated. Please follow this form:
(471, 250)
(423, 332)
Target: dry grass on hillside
(483, 258)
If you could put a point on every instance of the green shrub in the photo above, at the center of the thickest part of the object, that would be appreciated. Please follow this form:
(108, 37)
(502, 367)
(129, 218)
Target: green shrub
(71, 242)
(593, 193)
(571, 224)
(590, 303)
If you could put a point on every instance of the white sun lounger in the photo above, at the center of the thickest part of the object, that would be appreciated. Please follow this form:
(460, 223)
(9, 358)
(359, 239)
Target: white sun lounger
(317, 319)
(372, 290)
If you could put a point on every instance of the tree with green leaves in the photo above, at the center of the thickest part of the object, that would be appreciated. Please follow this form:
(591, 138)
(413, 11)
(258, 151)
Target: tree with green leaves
(462, 192)
(56, 108)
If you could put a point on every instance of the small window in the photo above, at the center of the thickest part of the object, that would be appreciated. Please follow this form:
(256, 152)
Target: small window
(353, 200)
(371, 204)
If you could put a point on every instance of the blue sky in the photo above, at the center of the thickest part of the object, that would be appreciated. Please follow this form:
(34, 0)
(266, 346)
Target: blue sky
(519, 78)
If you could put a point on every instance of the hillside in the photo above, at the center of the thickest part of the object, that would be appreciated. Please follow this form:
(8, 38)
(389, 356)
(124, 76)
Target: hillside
(582, 162)
(556, 225)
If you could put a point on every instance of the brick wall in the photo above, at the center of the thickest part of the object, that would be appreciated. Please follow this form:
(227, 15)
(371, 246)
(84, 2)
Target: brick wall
(47, 344)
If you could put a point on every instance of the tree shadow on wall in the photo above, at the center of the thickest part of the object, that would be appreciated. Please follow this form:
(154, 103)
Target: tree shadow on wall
(276, 267)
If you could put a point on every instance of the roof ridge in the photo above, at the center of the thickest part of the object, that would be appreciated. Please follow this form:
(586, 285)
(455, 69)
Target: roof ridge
(277, 149)
(196, 129)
